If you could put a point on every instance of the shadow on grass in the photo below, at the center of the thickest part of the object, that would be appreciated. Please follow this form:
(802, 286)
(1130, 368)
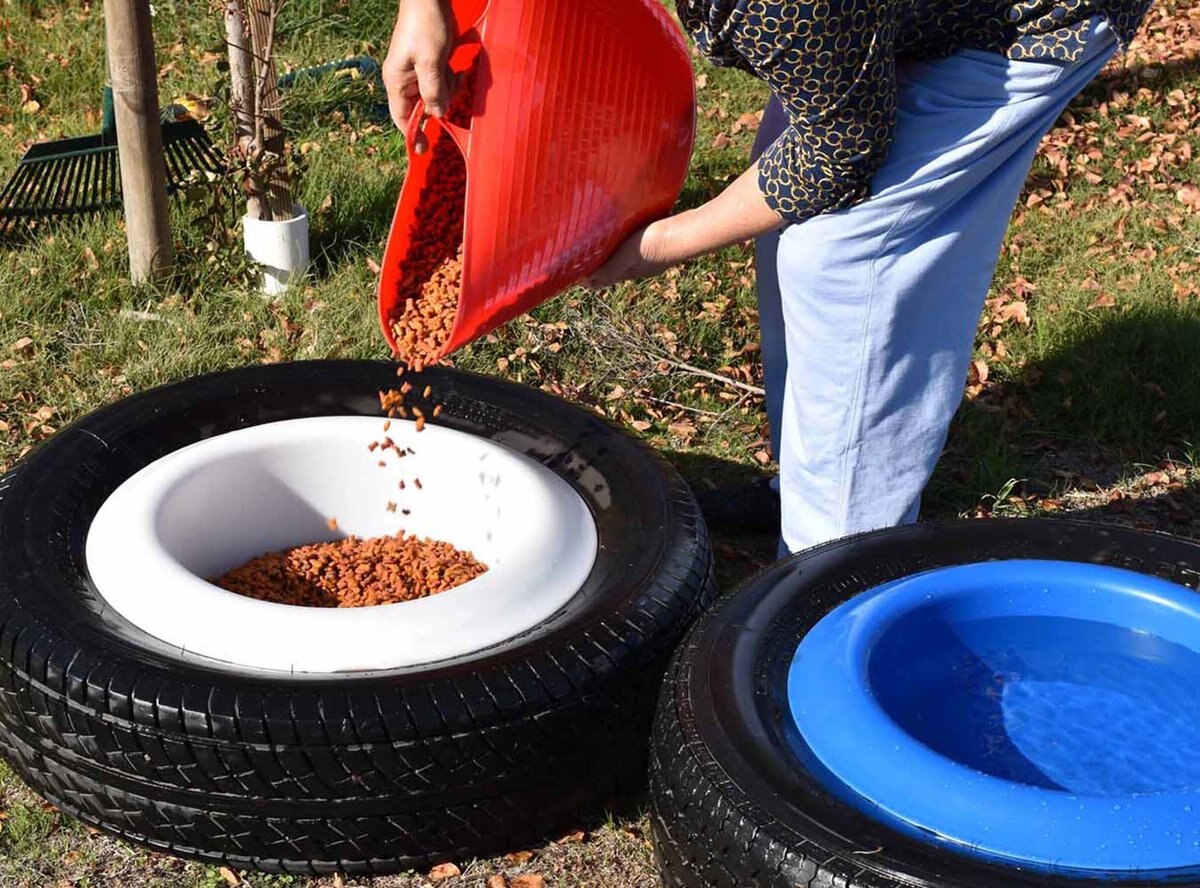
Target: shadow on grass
(1176, 512)
(705, 472)
(1122, 389)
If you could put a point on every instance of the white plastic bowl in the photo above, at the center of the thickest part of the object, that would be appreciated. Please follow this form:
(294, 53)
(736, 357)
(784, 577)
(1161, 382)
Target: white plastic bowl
(212, 506)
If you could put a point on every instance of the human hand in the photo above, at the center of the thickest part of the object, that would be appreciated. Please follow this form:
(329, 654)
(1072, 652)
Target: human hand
(415, 66)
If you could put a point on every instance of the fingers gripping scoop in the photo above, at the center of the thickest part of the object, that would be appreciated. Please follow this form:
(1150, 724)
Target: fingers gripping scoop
(572, 126)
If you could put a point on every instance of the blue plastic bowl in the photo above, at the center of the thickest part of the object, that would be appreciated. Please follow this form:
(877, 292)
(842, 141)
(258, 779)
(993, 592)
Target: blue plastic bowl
(1042, 713)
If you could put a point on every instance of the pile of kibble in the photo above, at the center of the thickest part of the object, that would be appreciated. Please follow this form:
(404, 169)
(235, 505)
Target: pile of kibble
(354, 572)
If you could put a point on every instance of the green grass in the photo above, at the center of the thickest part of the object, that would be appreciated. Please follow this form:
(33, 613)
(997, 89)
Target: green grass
(1079, 407)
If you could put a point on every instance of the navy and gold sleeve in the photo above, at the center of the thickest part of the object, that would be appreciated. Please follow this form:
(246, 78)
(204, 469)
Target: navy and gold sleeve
(832, 65)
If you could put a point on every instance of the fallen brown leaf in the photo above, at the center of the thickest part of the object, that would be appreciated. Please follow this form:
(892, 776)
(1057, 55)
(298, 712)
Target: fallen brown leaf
(29, 104)
(1104, 300)
(1189, 196)
(1014, 311)
(573, 838)
(518, 856)
(497, 882)
(750, 120)
(529, 881)
(374, 266)
(21, 344)
(684, 428)
(444, 871)
(229, 876)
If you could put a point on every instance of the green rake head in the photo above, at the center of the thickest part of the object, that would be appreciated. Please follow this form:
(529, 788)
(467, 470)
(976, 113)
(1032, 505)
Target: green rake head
(81, 176)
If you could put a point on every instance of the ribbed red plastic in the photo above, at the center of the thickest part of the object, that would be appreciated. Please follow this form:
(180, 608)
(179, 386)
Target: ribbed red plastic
(582, 130)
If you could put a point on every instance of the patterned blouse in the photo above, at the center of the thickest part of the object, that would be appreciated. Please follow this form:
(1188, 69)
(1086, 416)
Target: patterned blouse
(832, 64)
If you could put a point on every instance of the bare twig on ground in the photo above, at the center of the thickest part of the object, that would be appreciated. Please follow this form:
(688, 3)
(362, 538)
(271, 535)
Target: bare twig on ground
(715, 377)
(623, 336)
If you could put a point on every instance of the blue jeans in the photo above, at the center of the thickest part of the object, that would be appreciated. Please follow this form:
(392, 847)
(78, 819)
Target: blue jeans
(869, 314)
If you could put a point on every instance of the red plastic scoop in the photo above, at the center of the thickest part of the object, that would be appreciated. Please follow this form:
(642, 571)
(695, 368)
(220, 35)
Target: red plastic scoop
(580, 131)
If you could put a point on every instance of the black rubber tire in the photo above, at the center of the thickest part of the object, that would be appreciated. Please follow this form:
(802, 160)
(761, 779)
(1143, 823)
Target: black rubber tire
(360, 773)
(732, 804)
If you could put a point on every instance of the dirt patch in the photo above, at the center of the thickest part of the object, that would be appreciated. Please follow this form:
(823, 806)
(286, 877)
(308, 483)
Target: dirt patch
(354, 572)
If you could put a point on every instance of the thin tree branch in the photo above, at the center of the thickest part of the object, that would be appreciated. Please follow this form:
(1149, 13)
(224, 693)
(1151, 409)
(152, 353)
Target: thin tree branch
(241, 95)
(715, 377)
(265, 62)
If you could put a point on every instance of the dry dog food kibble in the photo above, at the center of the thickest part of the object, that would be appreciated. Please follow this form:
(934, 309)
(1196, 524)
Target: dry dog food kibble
(357, 572)
(432, 278)
(354, 572)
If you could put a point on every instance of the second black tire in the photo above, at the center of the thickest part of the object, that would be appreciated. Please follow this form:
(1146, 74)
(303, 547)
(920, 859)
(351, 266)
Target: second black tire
(734, 806)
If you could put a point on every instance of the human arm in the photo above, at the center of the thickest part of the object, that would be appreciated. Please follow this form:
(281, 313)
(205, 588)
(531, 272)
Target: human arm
(416, 63)
(738, 213)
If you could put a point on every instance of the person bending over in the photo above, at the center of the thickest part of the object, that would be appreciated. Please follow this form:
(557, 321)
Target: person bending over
(890, 157)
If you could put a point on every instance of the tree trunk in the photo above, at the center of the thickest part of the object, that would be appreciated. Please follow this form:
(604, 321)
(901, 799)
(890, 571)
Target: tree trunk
(267, 111)
(139, 138)
(241, 78)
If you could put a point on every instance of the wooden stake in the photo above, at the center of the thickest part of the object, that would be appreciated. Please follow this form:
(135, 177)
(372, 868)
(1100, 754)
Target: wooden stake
(139, 138)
